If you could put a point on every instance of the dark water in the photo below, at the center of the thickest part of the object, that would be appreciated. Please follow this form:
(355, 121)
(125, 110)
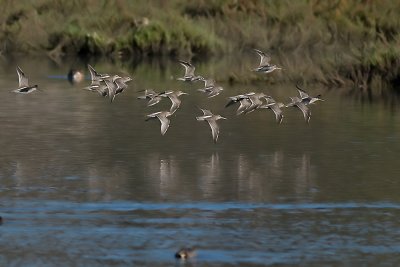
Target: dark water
(87, 183)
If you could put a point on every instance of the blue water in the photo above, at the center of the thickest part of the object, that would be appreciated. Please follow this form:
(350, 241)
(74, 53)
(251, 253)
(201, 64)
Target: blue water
(120, 233)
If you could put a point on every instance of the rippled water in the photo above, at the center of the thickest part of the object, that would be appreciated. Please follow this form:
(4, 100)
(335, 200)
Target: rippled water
(87, 183)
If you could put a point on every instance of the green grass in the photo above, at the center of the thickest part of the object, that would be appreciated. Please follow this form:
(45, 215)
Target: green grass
(353, 43)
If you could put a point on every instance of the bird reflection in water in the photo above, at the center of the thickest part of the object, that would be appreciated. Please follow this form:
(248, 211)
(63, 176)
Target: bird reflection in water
(209, 173)
(304, 175)
(164, 172)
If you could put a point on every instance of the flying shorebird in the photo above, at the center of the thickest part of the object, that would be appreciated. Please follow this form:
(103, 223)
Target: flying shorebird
(256, 102)
(265, 66)
(208, 83)
(212, 121)
(297, 102)
(210, 88)
(152, 96)
(163, 117)
(112, 88)
(102, 89)
(305, 98)
(94, 85)
(211, 92)
(174, 97)
(95, 76)
(189, 72)
(276, 108)
(23, 84)
(116, 85)
(243, 100)
(121, 83)
(75, 76)
(96, 79)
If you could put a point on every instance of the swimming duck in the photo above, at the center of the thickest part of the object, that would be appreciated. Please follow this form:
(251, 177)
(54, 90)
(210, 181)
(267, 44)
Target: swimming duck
(75, 76)
(185, 253)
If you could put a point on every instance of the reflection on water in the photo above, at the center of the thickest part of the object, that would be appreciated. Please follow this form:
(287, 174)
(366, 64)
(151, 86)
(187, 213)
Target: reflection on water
(86, 182)
(208, 177)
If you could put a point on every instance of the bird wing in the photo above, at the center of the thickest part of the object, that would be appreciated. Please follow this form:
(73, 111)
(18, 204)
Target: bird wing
(95, 83)
(293, 100)
(204, 117)
(278, 112)
(235, 99)
(306, 111)
(164, 123)
(206, 112)
(270, 100)
(189, 68)
(150, 92)
(153, 100)
(244, 105)
(93, 73)
(316, 98)
(214, 128)
(232, 100)
(255, 102)
(22, 79)
(215, 91)
(112, 87)
(120, 83)
(302, 93)
(264, 58)
(120, 88)
(176, 102)
(209, 83)
(102, 90)
(152, 115)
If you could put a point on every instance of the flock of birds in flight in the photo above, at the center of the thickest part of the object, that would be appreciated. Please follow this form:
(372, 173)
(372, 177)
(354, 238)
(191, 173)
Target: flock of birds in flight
(112, 85)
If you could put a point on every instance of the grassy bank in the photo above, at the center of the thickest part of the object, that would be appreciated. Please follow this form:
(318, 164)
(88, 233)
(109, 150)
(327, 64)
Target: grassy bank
(337, 43)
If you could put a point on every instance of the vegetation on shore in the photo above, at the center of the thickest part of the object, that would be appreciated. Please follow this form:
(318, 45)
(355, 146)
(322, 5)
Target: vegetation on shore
(337, 43)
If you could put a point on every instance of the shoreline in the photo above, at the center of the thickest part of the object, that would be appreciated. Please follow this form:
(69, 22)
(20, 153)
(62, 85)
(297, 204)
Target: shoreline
(343, 44)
